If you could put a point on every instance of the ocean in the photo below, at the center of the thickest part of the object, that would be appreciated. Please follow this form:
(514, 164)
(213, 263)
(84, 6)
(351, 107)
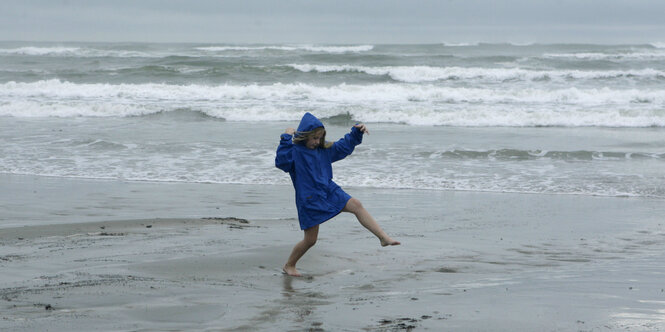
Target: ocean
(551, 119)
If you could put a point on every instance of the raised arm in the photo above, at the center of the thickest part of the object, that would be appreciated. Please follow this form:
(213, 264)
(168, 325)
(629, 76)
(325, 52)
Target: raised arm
(346, 144)
(284, 156)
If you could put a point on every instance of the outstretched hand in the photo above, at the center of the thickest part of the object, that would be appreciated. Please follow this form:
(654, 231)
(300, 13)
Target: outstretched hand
(363, 129)
(290, 131)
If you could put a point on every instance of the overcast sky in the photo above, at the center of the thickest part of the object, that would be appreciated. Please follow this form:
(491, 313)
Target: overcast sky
(337, 21)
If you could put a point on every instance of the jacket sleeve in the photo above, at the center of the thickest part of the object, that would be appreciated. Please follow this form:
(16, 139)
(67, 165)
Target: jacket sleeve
(345, 146)
(284, 157)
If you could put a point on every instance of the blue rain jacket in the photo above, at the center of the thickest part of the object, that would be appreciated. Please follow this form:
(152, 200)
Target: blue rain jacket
(318, 198)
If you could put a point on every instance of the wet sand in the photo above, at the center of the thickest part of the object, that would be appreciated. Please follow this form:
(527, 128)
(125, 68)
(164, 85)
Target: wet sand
(468, 262)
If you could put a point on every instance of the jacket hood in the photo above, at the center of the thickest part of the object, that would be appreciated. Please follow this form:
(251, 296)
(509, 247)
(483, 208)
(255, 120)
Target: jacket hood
(308, 123)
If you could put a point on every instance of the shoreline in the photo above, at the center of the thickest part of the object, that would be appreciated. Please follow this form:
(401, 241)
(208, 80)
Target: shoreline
(85, 200)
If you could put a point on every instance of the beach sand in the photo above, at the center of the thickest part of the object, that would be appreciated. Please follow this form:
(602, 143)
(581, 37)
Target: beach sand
(469, 261)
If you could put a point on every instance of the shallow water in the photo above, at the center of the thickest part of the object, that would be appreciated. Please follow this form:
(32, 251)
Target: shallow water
(183, 147)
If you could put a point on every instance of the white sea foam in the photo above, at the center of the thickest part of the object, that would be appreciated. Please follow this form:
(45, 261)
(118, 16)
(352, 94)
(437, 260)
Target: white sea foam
(67, 109)
(54, 90)
(658, 44)
(398, 103)
(415, 74)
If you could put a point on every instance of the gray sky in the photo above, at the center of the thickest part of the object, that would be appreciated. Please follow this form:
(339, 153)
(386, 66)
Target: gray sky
(338, 21)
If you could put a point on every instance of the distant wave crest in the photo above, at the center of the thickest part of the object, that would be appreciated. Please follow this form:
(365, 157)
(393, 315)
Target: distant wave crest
(310, 48)
(32, 50)
(415, 74)
(633, 55)
(84, 52)
(74, 52)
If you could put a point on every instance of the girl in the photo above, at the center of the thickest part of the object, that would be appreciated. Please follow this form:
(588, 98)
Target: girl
(308, 158)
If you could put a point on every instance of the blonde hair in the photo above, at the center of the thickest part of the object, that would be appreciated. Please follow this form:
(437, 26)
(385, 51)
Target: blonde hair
(303, 136)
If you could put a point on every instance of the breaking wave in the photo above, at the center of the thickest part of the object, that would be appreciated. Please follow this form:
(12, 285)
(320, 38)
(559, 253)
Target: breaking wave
(391, 103)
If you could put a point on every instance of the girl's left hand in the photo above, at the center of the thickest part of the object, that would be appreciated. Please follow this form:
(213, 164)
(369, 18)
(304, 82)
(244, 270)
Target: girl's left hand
(363, 129)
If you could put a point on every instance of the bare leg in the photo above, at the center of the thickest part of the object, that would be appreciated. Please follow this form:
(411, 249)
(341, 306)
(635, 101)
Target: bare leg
(311, 234)
(354, 206)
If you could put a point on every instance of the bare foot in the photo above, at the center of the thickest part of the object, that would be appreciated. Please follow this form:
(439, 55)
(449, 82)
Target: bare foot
(291, 270)
(389, 242)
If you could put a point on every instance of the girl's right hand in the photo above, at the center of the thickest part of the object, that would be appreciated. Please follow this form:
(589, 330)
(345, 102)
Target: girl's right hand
(290, 131)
